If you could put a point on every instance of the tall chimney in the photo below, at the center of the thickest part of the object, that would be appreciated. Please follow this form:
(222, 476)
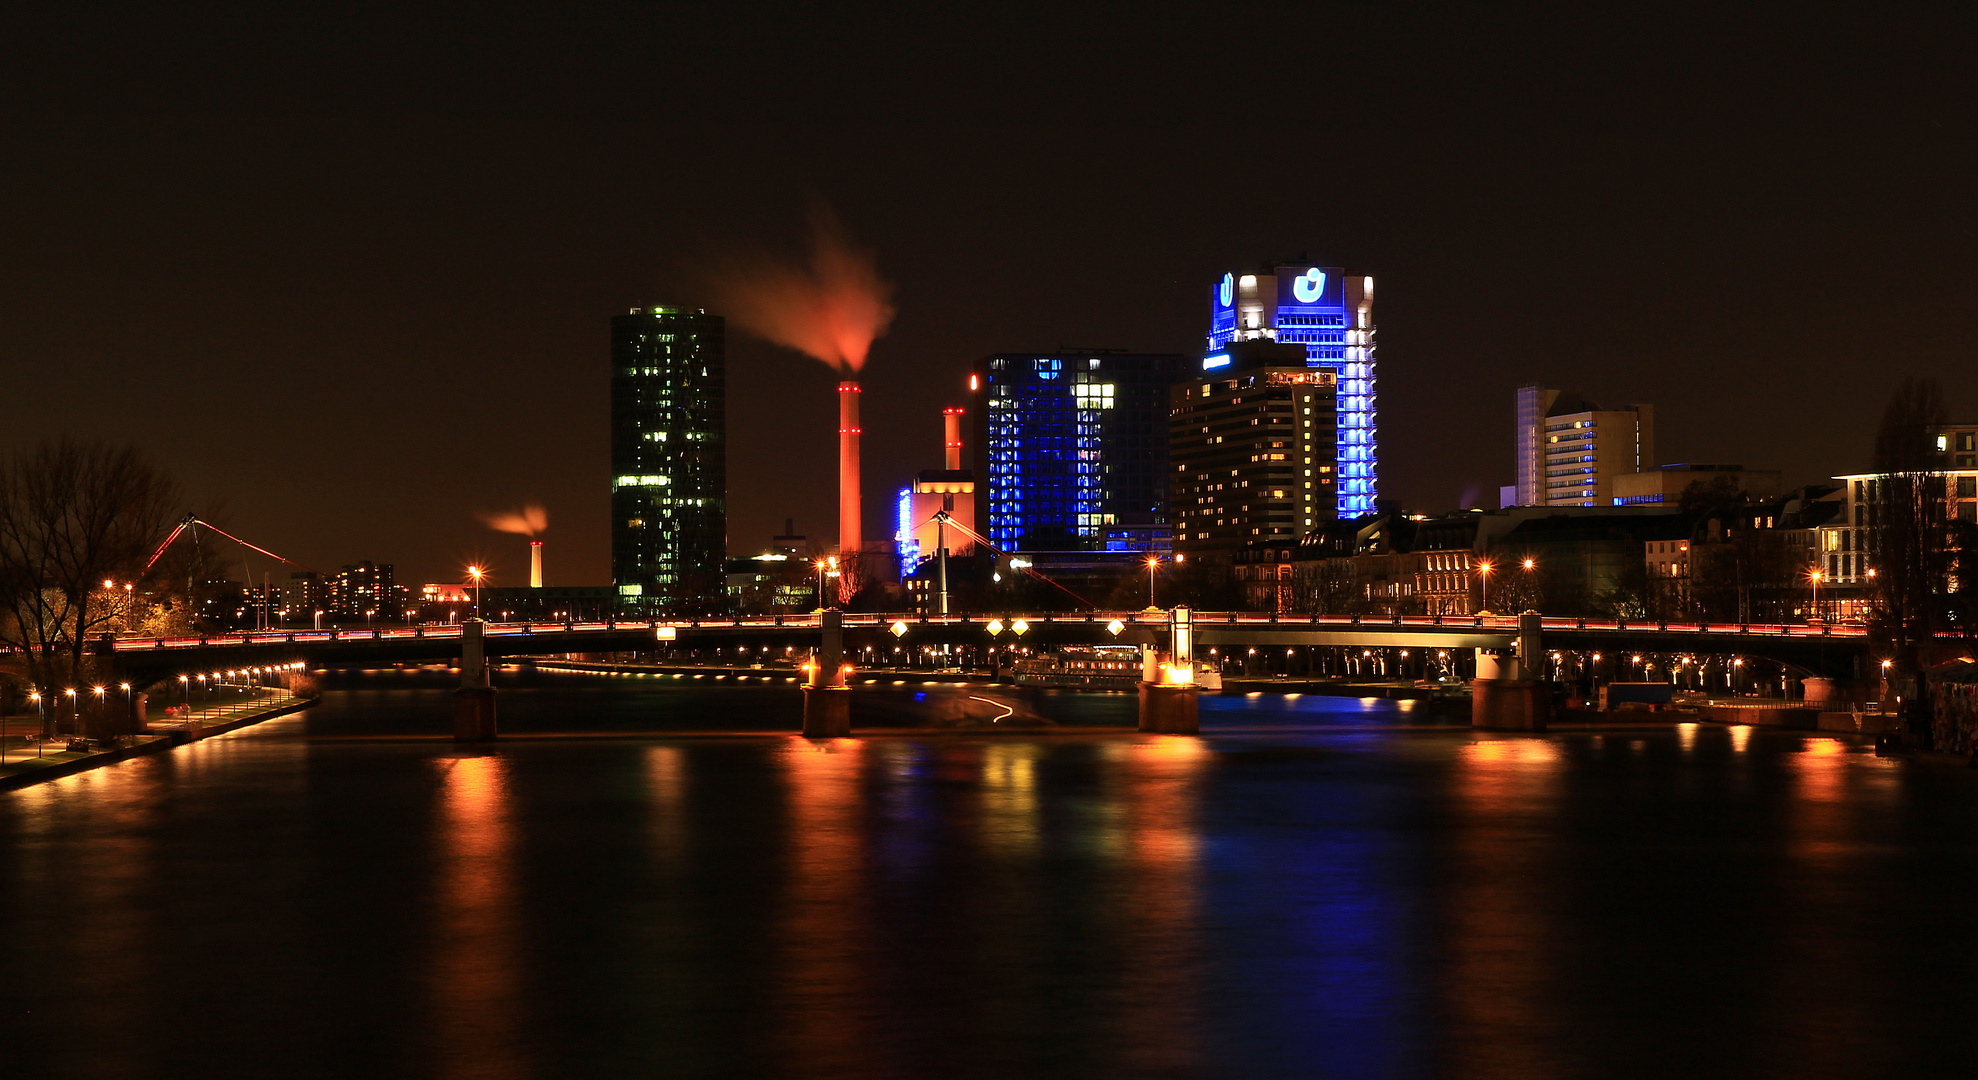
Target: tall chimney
(850, 539)
(535, 564)
(951, 457)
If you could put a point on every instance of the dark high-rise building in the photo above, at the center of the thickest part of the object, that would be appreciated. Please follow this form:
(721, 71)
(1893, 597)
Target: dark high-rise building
(1253, 442)
(669, 471)
(1071, 450)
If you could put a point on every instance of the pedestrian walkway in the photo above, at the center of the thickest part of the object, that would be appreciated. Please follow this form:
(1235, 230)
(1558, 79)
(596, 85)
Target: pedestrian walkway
(27, 755)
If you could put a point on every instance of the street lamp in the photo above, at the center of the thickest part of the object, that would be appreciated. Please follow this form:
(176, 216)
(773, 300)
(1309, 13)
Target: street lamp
(1483, 570)
(41, 720)
(1153, 561)
(1814, 575)
(477, 574)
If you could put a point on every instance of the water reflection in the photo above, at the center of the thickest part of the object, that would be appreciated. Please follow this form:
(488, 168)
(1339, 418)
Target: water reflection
(1009, 798)
(1356, 901)
(1159, 929)
(825, 913)
(666, 793)
(477, 1007)
(1504, 869)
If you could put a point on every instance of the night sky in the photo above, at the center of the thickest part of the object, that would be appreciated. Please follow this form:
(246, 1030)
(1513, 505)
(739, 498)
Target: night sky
(349, 272)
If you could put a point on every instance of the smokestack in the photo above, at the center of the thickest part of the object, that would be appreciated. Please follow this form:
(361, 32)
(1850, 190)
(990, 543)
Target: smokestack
(535, 564)
(850, 540)
(951, 459)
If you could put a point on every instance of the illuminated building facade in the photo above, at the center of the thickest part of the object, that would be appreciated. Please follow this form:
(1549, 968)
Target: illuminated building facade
(669, 482)
(362, 588)
(1570, 450)
(1252, 451)
(949, 489)
(1847, 547)
(1071, 450)
(1331, 314)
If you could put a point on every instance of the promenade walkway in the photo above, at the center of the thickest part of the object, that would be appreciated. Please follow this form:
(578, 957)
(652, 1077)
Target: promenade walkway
(28, 760)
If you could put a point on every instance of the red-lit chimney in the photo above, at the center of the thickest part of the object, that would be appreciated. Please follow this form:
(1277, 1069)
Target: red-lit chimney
(850, 537)
(535, 564)
(951, 459)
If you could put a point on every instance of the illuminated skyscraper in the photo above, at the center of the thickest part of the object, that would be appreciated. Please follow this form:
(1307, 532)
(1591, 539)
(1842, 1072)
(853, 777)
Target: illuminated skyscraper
(1252, 449)
(1072, 450)
(1331, 313)
(669, 474)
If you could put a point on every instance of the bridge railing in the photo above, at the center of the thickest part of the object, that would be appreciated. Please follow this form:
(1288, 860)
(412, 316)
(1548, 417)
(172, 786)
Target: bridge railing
(1139, 618)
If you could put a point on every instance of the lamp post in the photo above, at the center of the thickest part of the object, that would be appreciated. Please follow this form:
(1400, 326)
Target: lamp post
(1528, 564)
(1483, 570)
(1814, 575)
(477, 574)
(1153, 561)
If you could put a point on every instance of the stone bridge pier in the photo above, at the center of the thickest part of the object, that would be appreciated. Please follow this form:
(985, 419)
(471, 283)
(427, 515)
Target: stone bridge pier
(1510, 692)
(827, 700)
(474, 702)
(1168, 697)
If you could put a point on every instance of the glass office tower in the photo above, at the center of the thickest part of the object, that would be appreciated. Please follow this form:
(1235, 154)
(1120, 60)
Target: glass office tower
(1071, 450)
(669, 477)
(1331, 313)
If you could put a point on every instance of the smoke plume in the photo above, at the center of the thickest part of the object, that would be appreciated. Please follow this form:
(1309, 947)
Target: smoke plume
(831, 309)
(527, 521)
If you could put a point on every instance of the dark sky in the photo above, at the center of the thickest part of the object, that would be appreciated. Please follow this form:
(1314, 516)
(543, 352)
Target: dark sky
(349, 271)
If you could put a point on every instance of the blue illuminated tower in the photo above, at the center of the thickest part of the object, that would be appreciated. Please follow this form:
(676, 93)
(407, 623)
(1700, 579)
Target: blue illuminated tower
(1071, 450)
(1331, 313)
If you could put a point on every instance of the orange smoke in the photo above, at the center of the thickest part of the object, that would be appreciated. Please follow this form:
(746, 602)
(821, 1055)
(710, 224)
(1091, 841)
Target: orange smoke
(832, 309)
(527, 521)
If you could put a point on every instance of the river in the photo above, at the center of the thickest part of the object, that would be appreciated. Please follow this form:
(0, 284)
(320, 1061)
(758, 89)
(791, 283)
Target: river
(1317, 887)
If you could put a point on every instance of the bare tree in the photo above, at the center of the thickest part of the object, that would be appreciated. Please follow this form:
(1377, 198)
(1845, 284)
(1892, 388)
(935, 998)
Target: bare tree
(74, 516)
(1907, 528)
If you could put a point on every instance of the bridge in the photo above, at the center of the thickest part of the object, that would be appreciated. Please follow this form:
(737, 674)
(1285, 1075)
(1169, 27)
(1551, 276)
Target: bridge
(1511, 651)
(1837, 651)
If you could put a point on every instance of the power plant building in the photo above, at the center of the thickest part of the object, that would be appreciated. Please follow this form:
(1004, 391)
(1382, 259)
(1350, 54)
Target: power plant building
(1071, 450)
(1330, 313)
(669, 481)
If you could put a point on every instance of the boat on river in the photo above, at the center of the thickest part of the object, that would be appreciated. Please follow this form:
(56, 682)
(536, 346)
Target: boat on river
(1100, 667)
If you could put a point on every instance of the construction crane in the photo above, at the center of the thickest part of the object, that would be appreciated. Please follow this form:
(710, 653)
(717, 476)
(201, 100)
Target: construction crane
(192, 522)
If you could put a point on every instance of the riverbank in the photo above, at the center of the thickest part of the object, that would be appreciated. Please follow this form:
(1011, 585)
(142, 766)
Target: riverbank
(19, 772)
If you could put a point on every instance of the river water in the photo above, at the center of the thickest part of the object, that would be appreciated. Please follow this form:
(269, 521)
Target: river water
(1317, 887)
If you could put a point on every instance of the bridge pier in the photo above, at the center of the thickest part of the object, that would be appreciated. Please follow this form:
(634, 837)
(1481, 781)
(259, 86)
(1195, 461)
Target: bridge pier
(1168, 704)
(474, 702)
(827, 700)
(1505, 696)
(1169, 710)
(1510, 704)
